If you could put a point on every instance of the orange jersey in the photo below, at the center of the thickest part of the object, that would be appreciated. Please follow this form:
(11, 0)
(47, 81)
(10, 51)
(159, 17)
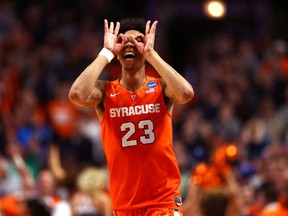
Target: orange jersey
(137, 139)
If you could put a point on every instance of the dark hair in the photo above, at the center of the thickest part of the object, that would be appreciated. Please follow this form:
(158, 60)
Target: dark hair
(127, 24)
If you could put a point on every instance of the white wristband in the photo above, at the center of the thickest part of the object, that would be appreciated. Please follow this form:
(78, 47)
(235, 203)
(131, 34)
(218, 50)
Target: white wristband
(107, 54)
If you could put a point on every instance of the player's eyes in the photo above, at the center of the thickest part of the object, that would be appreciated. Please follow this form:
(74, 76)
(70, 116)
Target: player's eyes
(139, 40)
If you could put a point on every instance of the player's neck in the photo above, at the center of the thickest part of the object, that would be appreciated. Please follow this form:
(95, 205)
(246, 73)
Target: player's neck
(132, 82)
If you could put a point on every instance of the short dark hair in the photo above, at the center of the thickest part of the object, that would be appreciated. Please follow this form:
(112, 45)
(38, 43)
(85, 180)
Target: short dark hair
(127, 24)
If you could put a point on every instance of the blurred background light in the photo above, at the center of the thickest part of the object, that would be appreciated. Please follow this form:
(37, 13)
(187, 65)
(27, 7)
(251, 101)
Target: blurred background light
(215, 9)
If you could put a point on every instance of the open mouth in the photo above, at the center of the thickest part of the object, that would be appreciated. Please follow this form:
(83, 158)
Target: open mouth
(129, 55)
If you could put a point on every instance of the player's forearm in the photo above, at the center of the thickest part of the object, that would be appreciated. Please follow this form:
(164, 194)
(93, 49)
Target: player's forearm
(86, 82)
(180, 88)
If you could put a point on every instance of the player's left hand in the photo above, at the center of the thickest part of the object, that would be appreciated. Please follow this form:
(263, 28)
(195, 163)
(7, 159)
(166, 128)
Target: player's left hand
(145, 43)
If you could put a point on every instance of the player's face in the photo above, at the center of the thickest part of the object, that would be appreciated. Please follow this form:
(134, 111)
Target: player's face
(129, 54)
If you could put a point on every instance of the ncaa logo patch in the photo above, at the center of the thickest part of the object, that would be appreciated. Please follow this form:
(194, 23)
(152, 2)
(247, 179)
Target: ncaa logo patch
(151, 84)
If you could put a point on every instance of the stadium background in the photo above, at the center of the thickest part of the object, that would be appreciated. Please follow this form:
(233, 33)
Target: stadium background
(238, 66)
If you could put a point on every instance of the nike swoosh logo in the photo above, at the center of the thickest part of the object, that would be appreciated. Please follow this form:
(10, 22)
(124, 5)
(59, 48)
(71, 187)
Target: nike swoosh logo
(113, 95)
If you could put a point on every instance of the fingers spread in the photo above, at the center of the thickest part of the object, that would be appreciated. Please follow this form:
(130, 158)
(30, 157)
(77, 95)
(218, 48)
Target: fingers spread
(106, 25)
(153, 27)
(116, 30)
(111, 28)
(147, 30)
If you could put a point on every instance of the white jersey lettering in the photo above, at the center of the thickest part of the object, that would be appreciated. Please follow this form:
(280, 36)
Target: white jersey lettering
(131, 111)
(125, 111)
(134, 110)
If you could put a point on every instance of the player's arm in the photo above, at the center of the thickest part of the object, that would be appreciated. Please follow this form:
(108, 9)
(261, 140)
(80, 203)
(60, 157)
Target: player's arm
(87, 90)
(176, 87)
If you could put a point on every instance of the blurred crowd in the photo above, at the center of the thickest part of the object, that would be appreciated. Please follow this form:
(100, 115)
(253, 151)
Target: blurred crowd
(51, 150)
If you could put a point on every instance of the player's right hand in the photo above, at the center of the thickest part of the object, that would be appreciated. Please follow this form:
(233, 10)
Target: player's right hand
(112, 40)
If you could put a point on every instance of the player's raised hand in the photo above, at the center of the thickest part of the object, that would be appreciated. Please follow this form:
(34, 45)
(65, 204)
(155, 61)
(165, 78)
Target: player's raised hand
(113, 42)
(145, 43)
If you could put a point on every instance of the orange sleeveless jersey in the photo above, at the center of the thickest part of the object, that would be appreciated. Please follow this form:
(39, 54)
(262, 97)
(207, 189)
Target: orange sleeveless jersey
(137, 138)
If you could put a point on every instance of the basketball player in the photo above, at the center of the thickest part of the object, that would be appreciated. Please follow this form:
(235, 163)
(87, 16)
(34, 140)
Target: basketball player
(135, 113)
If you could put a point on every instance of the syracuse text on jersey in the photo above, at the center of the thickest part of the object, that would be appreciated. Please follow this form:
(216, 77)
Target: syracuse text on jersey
(134, 110)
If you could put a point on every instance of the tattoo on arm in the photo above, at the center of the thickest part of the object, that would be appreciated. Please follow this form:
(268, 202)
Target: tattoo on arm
(102, 87)
(96, 94)
(98, 85)
(91, 99)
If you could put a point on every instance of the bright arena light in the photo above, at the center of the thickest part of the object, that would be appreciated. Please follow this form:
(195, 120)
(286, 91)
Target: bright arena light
(215, 9)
